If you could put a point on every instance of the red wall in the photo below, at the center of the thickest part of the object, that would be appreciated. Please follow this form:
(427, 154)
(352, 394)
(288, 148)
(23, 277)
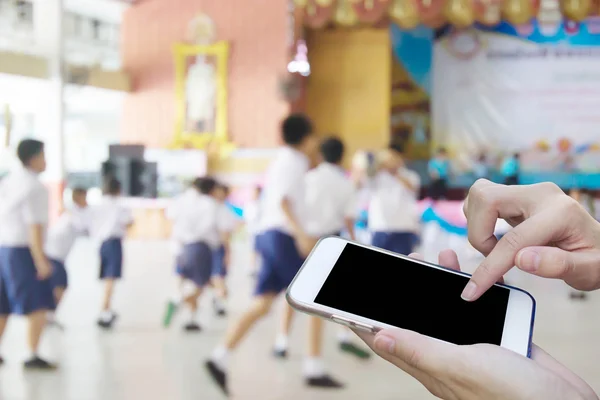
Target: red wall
(257, 31)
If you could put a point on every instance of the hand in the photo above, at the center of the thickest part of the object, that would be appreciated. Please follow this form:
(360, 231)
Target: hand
(305, 244)
(44, 270)
(476, 372)
(552, 235)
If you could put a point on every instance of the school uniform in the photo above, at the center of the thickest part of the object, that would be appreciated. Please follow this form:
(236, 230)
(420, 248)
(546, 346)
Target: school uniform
(330, 200)
(108, 225)
(23, 203)
(227, 225)
(61, 238)
(439, 185)
(198, 221)
(252, 213)
(393, 212)
(280, 259)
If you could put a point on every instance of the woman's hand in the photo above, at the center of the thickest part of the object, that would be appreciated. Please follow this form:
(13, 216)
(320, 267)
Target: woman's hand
(477, 372)
(552, 235)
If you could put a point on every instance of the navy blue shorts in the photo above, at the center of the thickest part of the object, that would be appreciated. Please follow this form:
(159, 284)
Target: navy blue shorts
(398, 242)
(111, 259)
(280, 262)
(219, 268)
(59, 275)
(196, 262)
(21, 292)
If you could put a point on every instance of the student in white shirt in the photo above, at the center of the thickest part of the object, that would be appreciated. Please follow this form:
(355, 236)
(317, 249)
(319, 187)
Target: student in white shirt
(198, 222)
(61, 238)
(24, 268)
(284, 242)
(393, 212)
(109, 221)
(222, 255)
(331, 209)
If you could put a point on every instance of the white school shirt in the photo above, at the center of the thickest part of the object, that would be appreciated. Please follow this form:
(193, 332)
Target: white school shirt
(284, 179)
(63, 234)
(330, 199)
(23, 202)
(109, 219)
(198, 218)
(393, 206)
(252, 217)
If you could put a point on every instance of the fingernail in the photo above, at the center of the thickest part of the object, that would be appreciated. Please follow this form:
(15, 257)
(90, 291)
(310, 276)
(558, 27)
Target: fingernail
(528, 260)
(469, 291)
(385, 343)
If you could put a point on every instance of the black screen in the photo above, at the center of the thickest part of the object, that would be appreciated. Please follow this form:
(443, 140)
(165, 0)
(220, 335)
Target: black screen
(413, 296)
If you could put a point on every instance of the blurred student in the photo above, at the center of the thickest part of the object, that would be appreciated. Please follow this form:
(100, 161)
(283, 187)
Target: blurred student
(109, 221)
(331, 209)
(284, 242)
(61, 238)
(24, 269)
(198, 221)
(222, 255)
(481, 168)
(511, 167)
(252, 214)
(439, 173)
(393, 213)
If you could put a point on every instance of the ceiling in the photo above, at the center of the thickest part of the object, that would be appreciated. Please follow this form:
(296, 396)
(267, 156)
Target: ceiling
(105, 10)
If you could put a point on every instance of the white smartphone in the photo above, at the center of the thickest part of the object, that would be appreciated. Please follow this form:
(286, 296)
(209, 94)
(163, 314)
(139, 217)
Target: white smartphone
(368, 289)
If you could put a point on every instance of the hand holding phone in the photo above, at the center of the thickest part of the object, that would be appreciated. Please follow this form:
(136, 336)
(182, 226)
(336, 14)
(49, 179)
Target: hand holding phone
(370, 289)
(484, 369)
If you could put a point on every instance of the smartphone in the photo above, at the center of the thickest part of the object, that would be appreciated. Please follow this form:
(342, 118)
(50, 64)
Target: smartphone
(368, 289)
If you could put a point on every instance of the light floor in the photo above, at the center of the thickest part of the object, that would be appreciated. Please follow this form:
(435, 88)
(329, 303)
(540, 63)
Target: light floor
(140, 360)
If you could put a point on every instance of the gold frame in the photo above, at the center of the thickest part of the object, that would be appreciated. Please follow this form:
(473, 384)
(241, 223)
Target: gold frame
(202, 140)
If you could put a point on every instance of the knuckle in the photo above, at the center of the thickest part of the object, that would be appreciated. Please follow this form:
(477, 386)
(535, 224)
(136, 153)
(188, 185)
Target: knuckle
(550, 187)
(513, 240)
(414, 358)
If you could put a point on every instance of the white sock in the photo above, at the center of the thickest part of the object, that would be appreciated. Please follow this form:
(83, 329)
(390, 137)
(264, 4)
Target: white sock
(191, 316)
(313, 367)
(344, 336)
(219, 304)
(281, 342)
(106, 316)
(220, 356)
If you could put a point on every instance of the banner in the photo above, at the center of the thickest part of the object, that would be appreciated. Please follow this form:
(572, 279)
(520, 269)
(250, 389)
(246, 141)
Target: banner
(534, 89)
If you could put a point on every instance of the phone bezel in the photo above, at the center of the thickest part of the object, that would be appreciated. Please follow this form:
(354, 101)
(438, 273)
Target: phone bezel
(520, 313)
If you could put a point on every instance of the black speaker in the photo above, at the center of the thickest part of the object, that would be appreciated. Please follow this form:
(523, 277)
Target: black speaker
(144, 179)
(118, 168)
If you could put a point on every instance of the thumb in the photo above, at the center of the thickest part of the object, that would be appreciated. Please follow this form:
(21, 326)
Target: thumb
(580, 269)
(416, 351)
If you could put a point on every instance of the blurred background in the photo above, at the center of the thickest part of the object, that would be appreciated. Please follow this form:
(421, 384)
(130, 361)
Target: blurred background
(157, 92)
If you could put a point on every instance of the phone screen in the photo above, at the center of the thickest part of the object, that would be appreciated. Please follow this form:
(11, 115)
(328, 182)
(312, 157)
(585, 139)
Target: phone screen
(413, 296)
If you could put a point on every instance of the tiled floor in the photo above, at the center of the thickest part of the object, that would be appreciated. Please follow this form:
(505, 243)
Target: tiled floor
(140, 360)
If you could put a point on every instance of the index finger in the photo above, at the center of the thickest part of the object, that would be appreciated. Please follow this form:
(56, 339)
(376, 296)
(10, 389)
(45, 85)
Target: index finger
(535, 231)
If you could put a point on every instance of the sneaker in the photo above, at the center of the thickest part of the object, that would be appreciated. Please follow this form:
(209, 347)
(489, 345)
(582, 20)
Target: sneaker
(39, 364)
(325, 382)
(351, 348)
(170, 312)
(1, 360)
(218, 375)
(107, 323)
(219, 309)
(578, 295)
(192, 327)
(277, 353)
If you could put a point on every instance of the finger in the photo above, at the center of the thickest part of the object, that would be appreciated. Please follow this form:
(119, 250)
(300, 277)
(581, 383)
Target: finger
(535, 231)
(547, 361)
(416, 256)
(449, 259)
(482, 214)
(369, 340)
(578, 269)
(418, 352)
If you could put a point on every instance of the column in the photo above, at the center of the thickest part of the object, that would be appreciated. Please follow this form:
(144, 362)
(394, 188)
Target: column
(48, 23)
